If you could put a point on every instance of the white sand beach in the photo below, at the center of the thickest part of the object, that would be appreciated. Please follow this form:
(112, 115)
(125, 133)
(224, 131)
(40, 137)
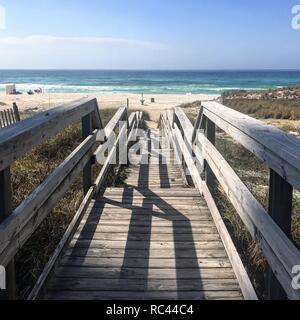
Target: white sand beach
(107, 100)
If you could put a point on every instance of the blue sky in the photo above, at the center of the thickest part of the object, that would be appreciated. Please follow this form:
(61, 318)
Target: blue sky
(149, 34)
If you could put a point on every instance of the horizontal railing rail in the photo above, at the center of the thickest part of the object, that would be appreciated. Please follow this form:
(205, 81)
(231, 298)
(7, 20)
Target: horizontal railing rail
(276, 149)
(280, 151)
(15, 141)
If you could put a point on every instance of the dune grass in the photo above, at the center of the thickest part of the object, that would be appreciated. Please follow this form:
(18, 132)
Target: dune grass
(271, 104)
(27, 173)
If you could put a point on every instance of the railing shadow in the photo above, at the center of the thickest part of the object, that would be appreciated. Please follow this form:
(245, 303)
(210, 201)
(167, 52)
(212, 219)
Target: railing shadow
(153, 205)
(179, 223)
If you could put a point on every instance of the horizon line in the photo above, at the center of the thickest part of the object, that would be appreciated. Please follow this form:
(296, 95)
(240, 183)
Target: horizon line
(153, 70)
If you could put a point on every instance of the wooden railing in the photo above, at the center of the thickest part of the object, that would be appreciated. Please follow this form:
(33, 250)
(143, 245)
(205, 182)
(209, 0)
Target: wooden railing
(9, 116)
(271, 229)
(19, 224)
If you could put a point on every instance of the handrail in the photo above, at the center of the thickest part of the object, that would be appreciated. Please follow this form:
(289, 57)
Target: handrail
(280, 252)
(15, 141)
(277, 149)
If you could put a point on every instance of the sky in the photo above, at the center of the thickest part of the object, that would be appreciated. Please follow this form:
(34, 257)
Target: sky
(149, 34)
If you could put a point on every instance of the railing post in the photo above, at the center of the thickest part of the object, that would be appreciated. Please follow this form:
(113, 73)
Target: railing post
(280, 209)
(5, 211)
(16, 112)
(87, 129)
(210, 133)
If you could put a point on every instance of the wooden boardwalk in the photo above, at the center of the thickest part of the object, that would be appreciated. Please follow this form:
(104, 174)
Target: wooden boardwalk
(153, 239)
(162, 235)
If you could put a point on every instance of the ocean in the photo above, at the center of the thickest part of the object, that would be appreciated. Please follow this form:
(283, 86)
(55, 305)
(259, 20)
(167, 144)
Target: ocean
(154, 82)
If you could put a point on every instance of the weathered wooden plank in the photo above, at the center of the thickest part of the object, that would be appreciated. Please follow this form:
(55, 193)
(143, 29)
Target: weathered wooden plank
(185, 192)
(87, 221)
(135, 273)
(11, 116)
(237, 265)
(107, 164)
(10, 119)
(6, 118)
(35, 130)
(145, 263)
(172, 214)
(135, 201)
(150, 229)
(58, 251)
(188, 159)
(155, 185)
(184, 124)
(2, 119)
(279, 150)
(157, 241)
(139, 285)
(162, 205)
(140, 253)
(152, 196)
(153, 180)
(90, 237)
(198, 123)
(147, 295)
(119, 218)
(87, 130)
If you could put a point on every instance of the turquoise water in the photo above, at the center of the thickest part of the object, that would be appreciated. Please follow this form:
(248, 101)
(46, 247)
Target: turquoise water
(171, 82)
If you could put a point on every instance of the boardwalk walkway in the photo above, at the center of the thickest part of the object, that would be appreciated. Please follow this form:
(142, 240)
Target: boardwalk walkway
(153, 239)
(162, 234)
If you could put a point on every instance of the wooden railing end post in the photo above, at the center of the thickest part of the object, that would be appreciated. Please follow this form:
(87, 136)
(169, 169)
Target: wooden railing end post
(280, 209)
(5, 210)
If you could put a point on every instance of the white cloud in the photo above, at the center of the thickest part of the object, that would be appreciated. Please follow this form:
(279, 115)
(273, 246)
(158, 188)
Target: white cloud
(46, 51)
(50, 40)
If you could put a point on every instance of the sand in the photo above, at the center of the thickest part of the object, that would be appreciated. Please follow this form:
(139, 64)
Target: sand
(107, 100)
